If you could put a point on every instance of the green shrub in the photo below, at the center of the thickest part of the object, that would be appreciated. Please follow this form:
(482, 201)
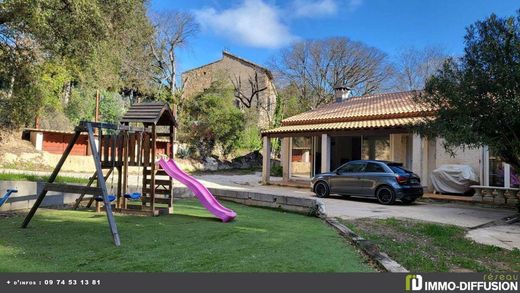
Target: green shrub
(276, 171)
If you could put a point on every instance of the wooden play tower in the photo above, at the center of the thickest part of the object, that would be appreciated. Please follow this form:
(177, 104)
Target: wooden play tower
(132, 144)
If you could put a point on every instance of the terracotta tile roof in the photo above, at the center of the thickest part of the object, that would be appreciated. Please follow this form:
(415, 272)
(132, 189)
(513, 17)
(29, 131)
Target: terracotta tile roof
(369, 107)
(351, 125)
(389, 110)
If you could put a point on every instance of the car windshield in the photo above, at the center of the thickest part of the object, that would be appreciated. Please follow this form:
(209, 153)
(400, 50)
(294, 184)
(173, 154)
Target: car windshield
(399, 170)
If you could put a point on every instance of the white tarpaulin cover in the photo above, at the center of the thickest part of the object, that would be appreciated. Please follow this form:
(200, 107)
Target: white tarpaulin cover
(453, 178)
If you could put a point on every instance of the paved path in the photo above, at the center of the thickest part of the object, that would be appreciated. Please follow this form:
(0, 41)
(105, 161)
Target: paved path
(463, 215)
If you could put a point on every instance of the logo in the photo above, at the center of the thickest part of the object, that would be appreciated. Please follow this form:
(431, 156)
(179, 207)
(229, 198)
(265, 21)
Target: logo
(414, 282)
(491, 283)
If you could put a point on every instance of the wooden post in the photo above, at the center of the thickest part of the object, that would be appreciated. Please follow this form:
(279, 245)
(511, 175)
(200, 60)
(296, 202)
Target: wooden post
(152, 167)
(102, 183)
(144, 158)
(96, 114)
(99, 152)
(53, 176)
(172, 155)
(125, 167)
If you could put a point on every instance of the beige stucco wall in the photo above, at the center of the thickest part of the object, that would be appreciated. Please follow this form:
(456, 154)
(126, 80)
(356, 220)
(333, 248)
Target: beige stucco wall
(466, 156)
(228, 70)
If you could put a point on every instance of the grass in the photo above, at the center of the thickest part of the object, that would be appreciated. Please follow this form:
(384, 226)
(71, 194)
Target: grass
(428, 247)
(30, 177)
(191, 240)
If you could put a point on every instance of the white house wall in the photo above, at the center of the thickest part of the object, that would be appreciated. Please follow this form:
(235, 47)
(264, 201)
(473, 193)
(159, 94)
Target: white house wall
(471, 157)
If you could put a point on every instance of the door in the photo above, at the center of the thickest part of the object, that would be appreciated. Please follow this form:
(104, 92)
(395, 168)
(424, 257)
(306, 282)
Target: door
(347, 179)
(372, 175)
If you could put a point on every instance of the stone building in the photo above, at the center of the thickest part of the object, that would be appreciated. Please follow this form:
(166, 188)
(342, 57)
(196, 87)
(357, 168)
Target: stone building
(253, 84)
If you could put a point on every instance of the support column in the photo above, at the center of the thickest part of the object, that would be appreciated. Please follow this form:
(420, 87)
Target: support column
(325, 153)
(484, 169)
(266, 160)
(285, 158)
(417, 154)
(37, 140)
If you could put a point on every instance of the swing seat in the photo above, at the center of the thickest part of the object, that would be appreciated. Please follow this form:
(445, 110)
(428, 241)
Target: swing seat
(111, 198)
(133, 195)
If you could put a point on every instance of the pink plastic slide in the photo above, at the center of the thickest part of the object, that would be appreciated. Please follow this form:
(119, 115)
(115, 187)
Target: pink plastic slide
(201, 192)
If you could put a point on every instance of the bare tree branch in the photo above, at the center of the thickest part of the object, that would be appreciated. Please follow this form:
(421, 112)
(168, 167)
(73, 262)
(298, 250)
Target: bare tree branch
(173, 30)
(315, 67)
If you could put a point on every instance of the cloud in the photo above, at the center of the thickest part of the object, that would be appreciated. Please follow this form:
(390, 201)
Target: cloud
(310, 8)
(354, 4)
(253, 23)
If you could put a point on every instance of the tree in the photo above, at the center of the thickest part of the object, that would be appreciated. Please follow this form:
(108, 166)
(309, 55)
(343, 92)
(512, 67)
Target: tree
(478, 95)
(315, 67)
(247, 94)
(211, 120)
(51, 49)
(173, 29)
(414, 67)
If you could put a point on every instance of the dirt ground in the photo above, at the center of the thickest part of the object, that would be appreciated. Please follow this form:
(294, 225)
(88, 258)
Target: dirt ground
(12, 142)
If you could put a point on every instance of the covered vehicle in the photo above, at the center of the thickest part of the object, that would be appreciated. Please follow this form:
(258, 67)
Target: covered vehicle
(454, 178)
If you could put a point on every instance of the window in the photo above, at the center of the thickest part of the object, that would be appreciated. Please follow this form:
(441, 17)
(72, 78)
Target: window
(351, 168)
(374, 167)
(399, 170)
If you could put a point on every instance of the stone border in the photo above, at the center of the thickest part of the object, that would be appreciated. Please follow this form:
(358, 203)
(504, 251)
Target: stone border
(307, 206)
(367, 247)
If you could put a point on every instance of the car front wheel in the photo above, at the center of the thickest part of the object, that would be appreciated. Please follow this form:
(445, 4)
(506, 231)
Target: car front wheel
(385, 195)
(321, 189)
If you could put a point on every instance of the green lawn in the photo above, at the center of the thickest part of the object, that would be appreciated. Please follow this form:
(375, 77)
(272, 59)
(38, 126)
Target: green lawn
(30, 177)
(428, 247)
(259, 240)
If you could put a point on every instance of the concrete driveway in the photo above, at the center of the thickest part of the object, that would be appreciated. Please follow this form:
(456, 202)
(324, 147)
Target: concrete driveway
(463, 215)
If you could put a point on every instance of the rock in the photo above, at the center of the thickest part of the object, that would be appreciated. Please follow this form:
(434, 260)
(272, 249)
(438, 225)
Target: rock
(210, 164)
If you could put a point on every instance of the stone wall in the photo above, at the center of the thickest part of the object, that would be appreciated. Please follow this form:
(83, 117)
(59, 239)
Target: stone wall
(229, 69)
(27, 191)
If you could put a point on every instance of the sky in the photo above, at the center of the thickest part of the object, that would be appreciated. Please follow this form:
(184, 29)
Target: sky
(258, 29)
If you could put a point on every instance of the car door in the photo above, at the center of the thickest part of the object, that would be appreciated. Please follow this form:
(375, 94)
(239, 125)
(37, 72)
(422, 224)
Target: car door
(372, 174)
(346, 181)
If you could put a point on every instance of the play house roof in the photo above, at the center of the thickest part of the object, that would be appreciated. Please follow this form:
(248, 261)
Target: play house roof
(158, 113)
(387, 110)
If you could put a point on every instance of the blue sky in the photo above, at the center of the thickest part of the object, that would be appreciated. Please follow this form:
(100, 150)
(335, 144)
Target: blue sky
(257, 29)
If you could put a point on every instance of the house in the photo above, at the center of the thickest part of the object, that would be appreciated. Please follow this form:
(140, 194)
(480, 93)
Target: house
(370, 127)
(253, 84)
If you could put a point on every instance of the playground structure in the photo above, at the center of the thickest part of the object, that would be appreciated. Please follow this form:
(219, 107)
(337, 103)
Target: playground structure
(119, 147)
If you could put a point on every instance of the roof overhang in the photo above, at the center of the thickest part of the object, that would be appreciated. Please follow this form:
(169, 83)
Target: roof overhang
(395, 125)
